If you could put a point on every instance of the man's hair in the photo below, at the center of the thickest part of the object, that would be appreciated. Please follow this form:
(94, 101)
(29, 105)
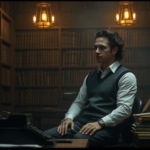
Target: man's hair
(114, 40)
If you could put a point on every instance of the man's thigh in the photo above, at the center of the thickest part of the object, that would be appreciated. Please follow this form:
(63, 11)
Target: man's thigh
(70, 133)
(105, 136)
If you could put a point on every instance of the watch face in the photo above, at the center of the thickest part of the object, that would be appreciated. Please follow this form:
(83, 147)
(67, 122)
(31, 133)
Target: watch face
(101, 122)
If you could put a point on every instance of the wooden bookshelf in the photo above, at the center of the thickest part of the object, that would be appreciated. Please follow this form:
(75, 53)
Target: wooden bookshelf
(7, 38)
(62, 38)
(74, 68)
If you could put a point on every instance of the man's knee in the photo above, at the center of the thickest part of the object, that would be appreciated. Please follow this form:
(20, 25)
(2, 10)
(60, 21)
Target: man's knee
(81, 136)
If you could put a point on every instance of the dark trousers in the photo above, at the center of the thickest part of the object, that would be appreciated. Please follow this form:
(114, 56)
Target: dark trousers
(103, 137)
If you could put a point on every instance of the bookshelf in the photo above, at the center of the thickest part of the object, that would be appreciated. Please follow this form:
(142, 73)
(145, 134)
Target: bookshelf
(75, 21)
(7, 38)
(45, 70)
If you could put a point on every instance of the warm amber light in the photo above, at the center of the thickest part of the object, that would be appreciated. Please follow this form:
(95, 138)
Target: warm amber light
(53, 19)
(126, 13)
(117, 17)
(34, 18)
(134, 16)
(44, 17)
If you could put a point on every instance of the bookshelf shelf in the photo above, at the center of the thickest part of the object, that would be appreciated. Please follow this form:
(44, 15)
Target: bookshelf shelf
(90, 47)
(6, 86)
(6, 65)
(39, 68)
(77, 27)
(79, 67)
(34, 87)
(6, 41)
(25, 105)
(36, 48)
(70, 86)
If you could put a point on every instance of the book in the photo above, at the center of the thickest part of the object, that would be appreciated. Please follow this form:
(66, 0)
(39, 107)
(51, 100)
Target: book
(140, 129)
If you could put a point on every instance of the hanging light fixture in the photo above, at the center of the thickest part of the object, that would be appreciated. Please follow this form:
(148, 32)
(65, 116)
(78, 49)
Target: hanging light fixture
(126, 16)
(43, 17)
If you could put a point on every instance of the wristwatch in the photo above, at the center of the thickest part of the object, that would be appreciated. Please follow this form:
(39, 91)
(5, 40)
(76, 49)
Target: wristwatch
(101, 122)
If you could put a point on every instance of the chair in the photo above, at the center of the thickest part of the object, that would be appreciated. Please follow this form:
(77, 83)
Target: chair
(125, 140)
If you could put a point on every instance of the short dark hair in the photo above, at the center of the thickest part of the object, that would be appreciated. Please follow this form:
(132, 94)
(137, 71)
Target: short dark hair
(114, 40)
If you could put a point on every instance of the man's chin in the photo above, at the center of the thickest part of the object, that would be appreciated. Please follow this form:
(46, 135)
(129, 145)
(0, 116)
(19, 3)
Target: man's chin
(99, 61)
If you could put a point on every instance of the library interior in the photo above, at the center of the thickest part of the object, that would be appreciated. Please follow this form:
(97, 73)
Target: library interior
(47, 50)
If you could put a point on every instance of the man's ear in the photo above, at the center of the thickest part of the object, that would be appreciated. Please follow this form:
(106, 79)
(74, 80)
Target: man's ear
(115, 50)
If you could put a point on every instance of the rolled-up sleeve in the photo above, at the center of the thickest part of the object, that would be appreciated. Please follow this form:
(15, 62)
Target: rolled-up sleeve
(127, 88)
(78, 104)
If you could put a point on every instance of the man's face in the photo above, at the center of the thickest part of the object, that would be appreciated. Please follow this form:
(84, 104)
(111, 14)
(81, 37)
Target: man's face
(103, 54)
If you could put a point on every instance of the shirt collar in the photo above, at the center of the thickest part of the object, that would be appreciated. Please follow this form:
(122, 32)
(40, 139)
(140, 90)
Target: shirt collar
(113, 67)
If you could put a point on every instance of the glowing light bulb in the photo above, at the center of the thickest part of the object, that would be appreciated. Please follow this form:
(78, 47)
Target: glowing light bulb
(34, 18)
(44, 17)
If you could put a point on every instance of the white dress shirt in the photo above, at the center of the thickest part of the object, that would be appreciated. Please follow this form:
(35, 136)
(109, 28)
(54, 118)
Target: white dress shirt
(127, 88)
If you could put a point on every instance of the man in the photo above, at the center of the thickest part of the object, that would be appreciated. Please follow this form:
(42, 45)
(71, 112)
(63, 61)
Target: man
(105, 98)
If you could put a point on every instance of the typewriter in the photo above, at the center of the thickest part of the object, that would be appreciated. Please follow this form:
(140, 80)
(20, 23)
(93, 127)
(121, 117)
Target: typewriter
(18, 129)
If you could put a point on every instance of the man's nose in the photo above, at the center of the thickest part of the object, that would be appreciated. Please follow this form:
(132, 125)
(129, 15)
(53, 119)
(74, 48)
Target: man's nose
(98, 50)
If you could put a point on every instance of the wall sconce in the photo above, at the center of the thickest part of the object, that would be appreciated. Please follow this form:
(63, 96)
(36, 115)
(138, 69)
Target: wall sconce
(43, 17)
(126, 16)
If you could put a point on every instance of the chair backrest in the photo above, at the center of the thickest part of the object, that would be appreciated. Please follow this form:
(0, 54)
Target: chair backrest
(126, 127)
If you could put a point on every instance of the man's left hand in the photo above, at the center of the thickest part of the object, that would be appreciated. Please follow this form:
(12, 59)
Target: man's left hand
(90, 128)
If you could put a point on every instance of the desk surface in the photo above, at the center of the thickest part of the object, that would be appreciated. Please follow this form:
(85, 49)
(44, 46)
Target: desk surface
(77, 143)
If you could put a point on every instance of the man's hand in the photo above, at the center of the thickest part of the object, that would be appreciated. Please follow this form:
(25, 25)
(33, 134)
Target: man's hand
(62, 128)
(90, 128)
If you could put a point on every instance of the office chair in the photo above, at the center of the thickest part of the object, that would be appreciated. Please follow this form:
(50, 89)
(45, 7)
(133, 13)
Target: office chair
(125, 140)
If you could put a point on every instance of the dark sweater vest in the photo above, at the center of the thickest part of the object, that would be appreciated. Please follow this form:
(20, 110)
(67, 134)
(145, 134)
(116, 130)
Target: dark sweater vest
(102, 93)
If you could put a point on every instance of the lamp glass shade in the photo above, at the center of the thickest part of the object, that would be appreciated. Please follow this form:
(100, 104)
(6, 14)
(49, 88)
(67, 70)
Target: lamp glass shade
(126, 13)
(117, 17)
(44, 17)
(53, 18)
(134, 16)
(34, 18)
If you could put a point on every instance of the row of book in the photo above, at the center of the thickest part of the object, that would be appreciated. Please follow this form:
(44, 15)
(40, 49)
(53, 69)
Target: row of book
(6, 34)
(69, 77)
(82, 57)
(74, 77)
(37, 58)
(136, 57)
(5, 76)
(5, 54)
(142, 76)
(6, 96)
(37, 78)
(37, 96)
(32, 108)
(34, 39)
(86, 57)
(77, 38)
(134, 37)
(131, 37)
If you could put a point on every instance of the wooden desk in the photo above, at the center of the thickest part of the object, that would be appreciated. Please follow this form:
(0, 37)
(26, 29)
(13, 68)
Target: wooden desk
(77, 143)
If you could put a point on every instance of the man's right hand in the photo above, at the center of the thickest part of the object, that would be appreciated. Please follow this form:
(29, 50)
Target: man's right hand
(62, 128)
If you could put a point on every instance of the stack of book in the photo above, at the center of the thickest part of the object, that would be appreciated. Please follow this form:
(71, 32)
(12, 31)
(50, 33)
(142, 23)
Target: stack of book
(141, 128)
